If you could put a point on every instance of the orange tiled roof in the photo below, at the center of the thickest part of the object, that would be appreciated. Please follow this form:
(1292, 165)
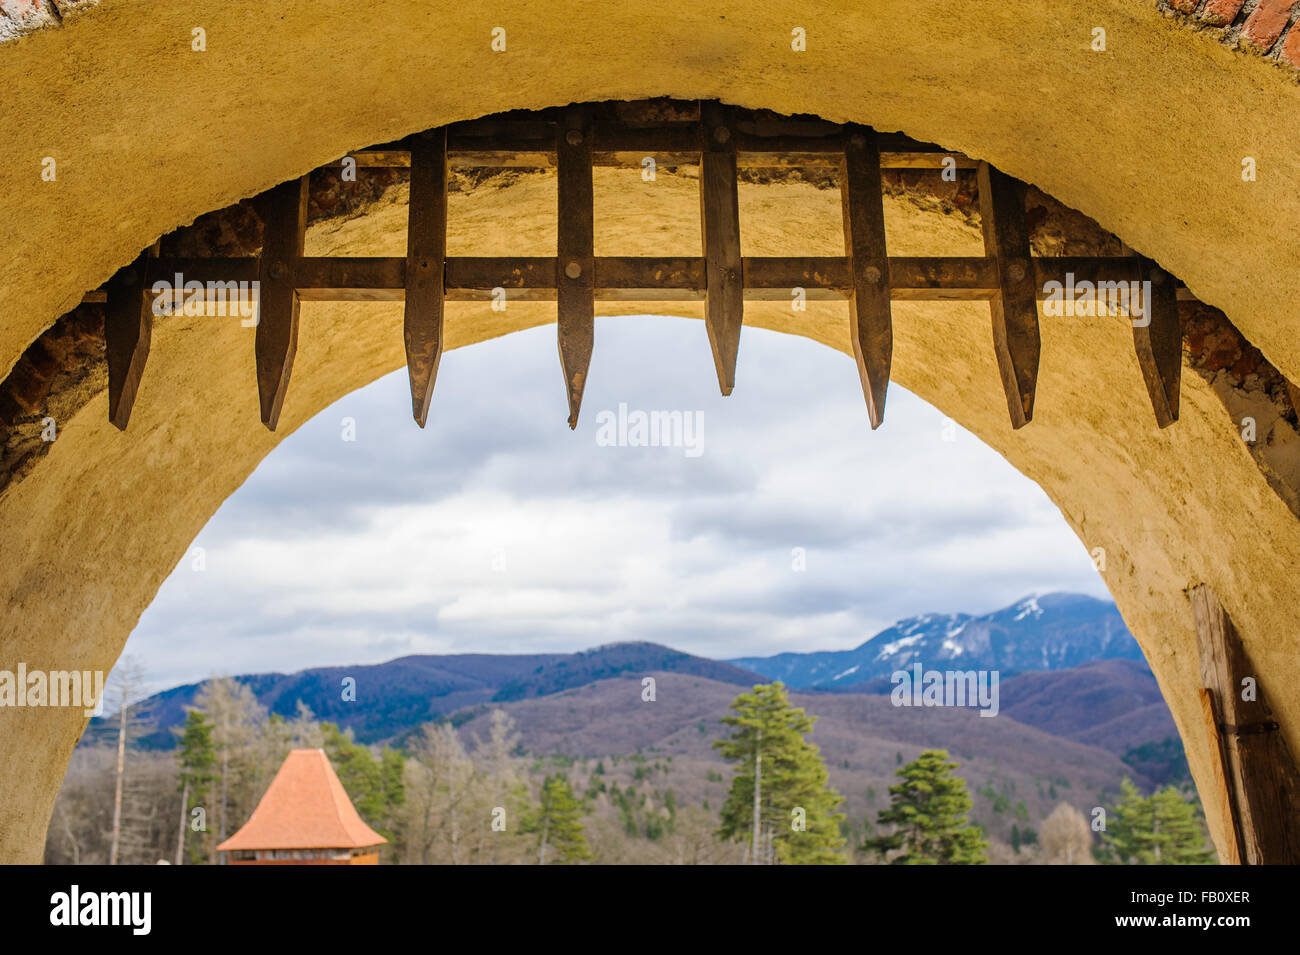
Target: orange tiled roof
(305, 808)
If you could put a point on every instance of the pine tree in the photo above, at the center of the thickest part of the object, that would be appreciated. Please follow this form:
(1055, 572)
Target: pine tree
(780, 802)
(1180, 838)
(929, 809)
(238, 720)
(375, 786)
(1161, 829)
(197, 759)
(557, 820)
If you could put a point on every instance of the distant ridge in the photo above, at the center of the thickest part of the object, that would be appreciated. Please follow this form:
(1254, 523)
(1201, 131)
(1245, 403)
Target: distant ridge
(401, 694)
(1053, 631)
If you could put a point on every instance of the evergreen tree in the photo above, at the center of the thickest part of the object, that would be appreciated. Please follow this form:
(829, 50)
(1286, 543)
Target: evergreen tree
(375, 786)
(929, 809)
(196, 760)
(1179, 837)
(780, 803)
(238, 721)
(557, 820)
(1161, 829)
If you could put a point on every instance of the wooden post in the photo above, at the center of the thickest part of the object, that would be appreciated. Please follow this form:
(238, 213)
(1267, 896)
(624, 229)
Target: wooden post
(1159, 342)
(724, 300)
(575, 297)
(1219, 776)
(1015, 305)
(128, 330)
(1260, 773)
(284, 218)
(426, 256)
(870, 317)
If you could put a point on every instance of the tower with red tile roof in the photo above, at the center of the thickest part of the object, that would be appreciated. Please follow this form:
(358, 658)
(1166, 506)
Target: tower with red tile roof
(305, 818)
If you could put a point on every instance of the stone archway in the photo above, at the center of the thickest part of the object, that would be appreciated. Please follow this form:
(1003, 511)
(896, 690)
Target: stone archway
(171, 133)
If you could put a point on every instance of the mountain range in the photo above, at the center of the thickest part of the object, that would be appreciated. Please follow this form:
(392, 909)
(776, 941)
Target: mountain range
(1068, 667)
(1078, 711)
(1048, 632)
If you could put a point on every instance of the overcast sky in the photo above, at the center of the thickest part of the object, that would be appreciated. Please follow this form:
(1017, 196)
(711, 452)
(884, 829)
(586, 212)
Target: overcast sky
(498, 530)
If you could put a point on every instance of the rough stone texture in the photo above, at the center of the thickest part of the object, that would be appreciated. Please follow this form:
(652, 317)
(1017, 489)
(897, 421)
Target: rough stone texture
(1252, 391)
(1147, 139)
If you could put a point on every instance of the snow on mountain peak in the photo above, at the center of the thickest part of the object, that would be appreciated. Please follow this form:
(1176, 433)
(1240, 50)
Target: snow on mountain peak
(1029, 606)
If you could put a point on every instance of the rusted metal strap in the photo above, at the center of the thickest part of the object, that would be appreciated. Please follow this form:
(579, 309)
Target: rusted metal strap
(1249, 729)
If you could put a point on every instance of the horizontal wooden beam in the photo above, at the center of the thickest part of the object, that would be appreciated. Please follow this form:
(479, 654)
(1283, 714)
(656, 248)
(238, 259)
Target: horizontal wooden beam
(531, 144)
(648, 278)
(620, 153)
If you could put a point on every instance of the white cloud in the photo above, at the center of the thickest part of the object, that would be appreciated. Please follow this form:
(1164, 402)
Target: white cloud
(498, 530)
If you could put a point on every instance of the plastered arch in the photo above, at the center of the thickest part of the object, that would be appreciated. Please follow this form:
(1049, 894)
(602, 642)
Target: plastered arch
(1147, 138)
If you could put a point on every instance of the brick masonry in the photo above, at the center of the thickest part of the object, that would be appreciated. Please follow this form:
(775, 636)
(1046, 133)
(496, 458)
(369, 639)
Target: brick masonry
(1265, 27)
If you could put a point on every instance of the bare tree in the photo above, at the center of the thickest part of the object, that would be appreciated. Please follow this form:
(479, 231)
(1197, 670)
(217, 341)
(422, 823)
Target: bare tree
(238, 724)
(1066, 838)
(126, 687)
(504, 776)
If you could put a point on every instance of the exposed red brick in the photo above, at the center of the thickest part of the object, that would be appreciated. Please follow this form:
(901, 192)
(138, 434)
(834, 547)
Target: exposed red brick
(1291, 47)
(1185, 6)
(1221, 12)
(1267, 22)
(21, 8)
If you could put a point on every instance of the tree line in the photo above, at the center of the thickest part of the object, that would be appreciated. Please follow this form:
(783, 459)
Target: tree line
(442, 798)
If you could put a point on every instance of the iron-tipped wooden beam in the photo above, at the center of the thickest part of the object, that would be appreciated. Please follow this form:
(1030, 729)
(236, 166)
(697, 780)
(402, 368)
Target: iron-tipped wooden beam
(626, 140)
(284, 219)
(128, 328)
(426, 256)
(1158, 339)
(870, 318)
(724, 297)
(1015, 305)
(1261, 772)
(575, 298)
